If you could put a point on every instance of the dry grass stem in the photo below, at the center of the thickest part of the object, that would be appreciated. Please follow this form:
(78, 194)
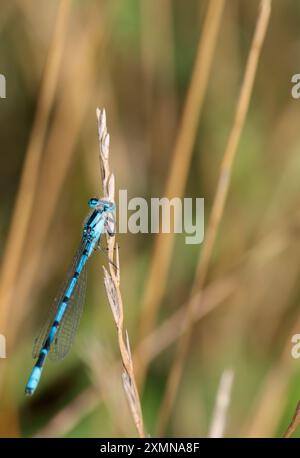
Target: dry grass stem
(71, 104)
(29, 179)
(150, 347)
(112, 283)
(294, 423)
(173, 74)
(217, 208)
(218, 423)
(172, 328)
(155, 286)
(22, 212)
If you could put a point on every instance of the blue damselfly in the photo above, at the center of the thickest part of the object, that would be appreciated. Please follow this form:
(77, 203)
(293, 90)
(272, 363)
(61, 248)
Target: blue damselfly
(57, 335)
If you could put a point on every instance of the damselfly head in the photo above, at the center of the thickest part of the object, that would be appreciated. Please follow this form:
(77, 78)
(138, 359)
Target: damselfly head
(101, 204)
(93, 202)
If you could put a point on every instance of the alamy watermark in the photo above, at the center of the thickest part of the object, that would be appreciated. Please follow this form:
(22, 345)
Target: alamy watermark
(2, 346)
(295, 351)
(295, 91)
(162, 215)
(2, 86)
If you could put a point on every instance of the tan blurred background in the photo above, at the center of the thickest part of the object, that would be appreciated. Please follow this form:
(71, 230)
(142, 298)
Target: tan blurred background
(137, 58)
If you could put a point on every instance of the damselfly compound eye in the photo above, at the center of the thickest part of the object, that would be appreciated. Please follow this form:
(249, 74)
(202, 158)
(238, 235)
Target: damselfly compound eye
(93, 202)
